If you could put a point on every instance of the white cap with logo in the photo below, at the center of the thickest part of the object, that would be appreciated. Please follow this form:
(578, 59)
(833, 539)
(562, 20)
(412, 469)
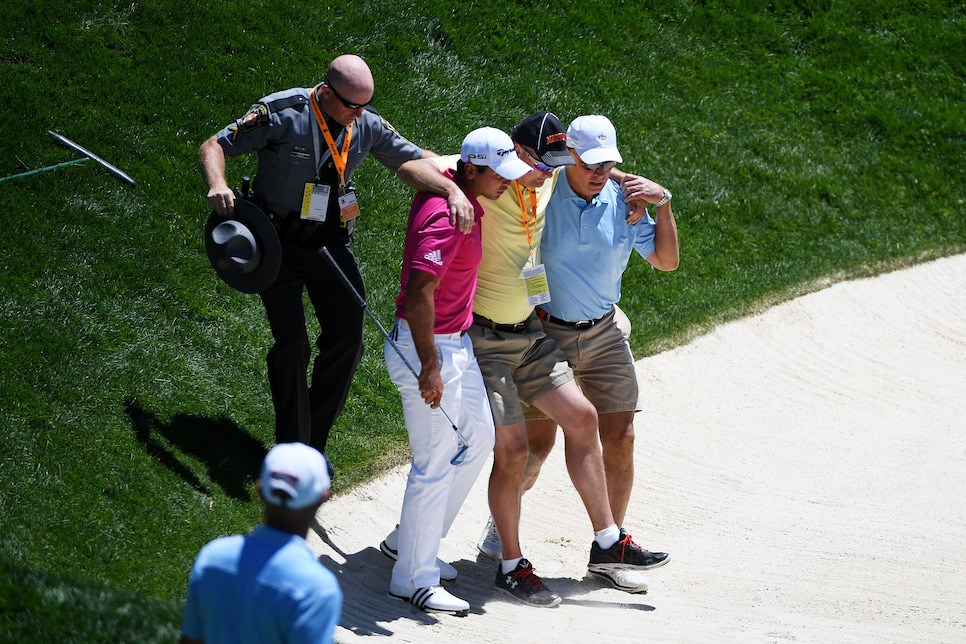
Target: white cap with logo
(294, 476)
(488, 146)
(594, 139)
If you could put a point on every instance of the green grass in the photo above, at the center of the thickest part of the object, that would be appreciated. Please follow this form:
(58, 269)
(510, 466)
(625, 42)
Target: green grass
(44, 607)
(805, 143)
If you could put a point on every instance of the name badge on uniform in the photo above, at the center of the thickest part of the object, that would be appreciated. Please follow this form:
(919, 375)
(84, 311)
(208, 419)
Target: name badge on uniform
(535, 281)
(315, 201)
(349, 206)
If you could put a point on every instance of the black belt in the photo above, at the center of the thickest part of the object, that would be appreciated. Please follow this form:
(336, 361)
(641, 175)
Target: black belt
(579, 324)
(510, 328)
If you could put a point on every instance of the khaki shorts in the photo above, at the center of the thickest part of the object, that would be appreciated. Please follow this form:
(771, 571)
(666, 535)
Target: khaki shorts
(518, 366)
(602, 362)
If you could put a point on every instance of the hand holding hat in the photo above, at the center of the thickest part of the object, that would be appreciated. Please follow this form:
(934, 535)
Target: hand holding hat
(244, 248)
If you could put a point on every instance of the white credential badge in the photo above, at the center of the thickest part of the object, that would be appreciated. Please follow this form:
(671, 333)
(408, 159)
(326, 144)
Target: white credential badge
(315, 201)
(535, 281)
(349, 206)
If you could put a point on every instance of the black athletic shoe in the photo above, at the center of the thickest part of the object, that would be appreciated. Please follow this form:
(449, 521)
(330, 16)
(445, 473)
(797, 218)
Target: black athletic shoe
(524, 584)
(624, 554)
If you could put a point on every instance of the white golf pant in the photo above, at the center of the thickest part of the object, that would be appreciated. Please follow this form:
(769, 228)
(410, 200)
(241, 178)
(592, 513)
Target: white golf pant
(436, 489)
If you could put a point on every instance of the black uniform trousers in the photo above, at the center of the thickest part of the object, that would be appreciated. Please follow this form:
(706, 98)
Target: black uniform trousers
(306, 412)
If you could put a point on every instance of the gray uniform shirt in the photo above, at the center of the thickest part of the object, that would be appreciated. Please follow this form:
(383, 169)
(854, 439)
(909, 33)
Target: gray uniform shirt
(282, 129)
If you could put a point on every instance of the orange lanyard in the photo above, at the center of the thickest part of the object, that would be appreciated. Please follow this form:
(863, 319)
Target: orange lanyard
(525, 214)
(339, 157)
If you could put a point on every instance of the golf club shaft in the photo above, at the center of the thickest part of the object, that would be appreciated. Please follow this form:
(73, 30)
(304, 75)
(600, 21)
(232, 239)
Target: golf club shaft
(352, 289)
(63, 141)
(39, 170)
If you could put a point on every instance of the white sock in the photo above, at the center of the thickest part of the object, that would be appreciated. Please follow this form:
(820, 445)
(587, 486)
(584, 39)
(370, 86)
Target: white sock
(509, 565)
(608, 536)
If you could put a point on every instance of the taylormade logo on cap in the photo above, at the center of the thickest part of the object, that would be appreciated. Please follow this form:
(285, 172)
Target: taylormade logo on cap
(493, 148)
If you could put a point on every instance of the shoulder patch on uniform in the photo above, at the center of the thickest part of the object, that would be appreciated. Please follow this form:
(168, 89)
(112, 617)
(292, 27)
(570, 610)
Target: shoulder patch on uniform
(256, 117)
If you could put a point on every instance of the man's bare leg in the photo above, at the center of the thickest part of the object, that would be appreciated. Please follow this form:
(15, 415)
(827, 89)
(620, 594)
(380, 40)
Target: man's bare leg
(617, 441)
(505, 489)
(577, 418)
(541, 436)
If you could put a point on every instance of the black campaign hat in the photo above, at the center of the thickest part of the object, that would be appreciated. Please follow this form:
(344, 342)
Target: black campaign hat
(544, 132)
(244, 248)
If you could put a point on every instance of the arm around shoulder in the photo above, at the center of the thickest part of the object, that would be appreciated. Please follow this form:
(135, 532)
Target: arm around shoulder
(424, 175)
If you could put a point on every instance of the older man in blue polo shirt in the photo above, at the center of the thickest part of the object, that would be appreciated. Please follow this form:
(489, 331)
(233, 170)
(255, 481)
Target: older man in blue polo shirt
(586, 245)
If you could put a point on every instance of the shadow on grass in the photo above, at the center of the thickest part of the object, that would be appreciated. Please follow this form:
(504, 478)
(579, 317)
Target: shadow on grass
(40, 606)
(231, 456)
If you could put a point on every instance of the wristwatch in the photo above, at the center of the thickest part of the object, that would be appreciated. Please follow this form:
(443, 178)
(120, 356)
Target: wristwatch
(667, 198)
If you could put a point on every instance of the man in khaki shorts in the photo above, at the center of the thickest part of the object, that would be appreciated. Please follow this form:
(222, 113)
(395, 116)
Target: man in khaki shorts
(520, 363)
(585, 246)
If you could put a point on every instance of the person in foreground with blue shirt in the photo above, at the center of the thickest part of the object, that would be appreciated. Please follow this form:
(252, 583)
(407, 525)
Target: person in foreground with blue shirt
(590, 234)
(267, 586)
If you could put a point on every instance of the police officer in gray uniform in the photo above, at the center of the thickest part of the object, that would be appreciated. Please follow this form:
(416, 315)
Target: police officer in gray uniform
(309, 141)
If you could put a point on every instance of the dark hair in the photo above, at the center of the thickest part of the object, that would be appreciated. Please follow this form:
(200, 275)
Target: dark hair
(461, 168)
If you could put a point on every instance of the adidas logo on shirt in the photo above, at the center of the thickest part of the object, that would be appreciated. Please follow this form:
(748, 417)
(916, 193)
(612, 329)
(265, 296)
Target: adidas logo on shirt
(435, 257)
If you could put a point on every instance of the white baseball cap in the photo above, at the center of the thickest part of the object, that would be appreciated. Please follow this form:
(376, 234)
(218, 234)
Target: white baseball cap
(594, 139)
(493, 148)
(294, 476)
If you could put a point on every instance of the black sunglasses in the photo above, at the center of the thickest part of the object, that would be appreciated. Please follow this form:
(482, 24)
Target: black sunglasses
(351, 106)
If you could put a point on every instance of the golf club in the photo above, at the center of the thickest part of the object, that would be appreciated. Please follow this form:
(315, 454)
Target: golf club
(46, 169)
(461, 452)
(64, 142)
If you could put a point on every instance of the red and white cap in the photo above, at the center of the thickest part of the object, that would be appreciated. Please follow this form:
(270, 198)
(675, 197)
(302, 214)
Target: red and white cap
(294, 476)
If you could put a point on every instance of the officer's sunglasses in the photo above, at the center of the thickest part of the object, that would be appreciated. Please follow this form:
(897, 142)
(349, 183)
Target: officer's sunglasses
(351, 106)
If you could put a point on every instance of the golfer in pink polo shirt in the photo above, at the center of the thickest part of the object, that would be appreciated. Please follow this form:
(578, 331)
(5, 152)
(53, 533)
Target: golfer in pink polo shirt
(433, 310)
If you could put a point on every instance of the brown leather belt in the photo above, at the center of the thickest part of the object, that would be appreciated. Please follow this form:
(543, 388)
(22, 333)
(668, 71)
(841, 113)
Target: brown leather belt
(490, 324)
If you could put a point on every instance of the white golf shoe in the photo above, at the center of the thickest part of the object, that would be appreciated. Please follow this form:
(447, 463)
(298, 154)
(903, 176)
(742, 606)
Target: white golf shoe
(489, 543)
(432, 599)
(630, 581)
